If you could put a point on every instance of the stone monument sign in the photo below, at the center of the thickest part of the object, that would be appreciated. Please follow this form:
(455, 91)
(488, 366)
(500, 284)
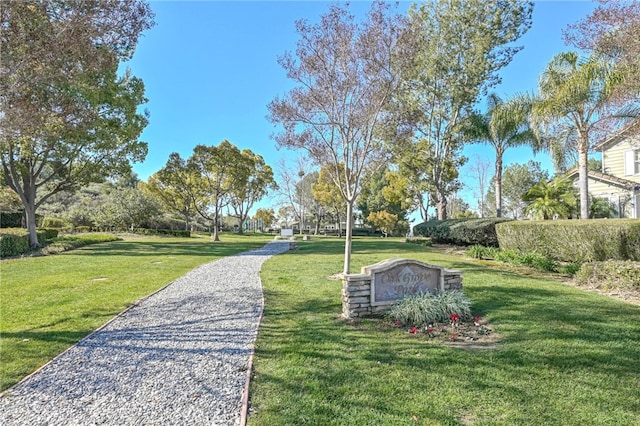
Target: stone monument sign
(394, 279)
(381, 285)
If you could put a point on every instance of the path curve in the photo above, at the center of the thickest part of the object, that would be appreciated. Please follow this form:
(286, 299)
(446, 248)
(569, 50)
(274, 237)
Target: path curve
(178, 357)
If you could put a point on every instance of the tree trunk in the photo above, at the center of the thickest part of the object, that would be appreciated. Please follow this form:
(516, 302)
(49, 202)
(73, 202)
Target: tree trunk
(316, 230)
(216, 226)
(30, 215)
(498, 185)
(347, 240)
(583, 183)
(442, 208)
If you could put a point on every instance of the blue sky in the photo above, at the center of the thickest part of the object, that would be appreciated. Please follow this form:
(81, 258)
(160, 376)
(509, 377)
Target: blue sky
(210, 69)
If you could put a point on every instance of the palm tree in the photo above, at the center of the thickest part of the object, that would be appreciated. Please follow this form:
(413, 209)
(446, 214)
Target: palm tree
(548, 199)
(504, 125)
(574, 100)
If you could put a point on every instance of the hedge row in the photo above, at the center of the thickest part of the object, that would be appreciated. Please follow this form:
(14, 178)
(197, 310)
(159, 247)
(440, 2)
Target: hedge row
(171, 232)
(610, 275)
(574, 241)
(463, 232)
(10, 220)
(15, 241)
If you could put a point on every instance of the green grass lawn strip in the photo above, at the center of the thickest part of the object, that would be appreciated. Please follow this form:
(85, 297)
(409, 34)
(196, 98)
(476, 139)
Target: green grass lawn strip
(566, 356)
(49, 303)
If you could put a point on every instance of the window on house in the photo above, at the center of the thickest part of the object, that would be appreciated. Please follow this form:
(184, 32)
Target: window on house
(632, 162)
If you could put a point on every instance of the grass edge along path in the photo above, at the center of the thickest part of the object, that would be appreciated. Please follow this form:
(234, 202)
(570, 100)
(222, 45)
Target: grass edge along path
(49, 303)
(567, 356)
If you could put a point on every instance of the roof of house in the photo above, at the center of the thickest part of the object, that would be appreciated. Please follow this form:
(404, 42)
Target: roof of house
(630, 129)
(614, 180)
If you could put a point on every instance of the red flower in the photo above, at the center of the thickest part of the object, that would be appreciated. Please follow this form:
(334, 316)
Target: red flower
(414, 330)
(476, 321)
(454, 336)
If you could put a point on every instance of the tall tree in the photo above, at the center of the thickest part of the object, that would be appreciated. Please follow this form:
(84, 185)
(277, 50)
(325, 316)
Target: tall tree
(455, 50)
(265, 218)
(213, 169)
(290, 179)
(344, 81)
(517, 179)
(504, 125)
(479, 170)
(253, 179)
(385, 193)
(171, 185)
(66, 117)
(574, 105)
(611, 30)
(328, 196)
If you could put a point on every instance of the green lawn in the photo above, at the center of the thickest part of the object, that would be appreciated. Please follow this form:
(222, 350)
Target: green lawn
(566, 356)
(49, 303)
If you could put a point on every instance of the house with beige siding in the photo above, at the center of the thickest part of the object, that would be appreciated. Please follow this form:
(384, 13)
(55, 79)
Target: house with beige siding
(619, 180)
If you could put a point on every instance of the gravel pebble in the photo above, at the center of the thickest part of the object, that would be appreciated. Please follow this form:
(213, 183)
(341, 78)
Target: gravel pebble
(179, 357)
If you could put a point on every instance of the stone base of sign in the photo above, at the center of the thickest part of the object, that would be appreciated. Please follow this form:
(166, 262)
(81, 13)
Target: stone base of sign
(360, 298)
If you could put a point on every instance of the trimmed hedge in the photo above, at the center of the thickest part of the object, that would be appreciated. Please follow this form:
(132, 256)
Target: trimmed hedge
(10, 220)
(171, 232)
(609, 275)
(575, 241)
(463, 232)
(49, 233)
(15, 241)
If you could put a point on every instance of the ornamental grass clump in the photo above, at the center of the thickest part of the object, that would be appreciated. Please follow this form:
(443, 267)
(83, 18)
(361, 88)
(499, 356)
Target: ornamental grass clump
(428, 308)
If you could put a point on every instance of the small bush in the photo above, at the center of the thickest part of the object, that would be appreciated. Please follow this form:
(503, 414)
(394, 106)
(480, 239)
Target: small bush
(481, 252)
(570, 268)
(49, 233)
(574, 241)
(609, 275)
(507, 256)
(533, 260)
(54, 222)
(430, 308)
(425, 242)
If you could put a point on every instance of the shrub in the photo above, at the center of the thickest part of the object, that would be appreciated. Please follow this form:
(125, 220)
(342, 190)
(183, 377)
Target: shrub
(54, 222)
(429, 308)
(609, 275)
(170, 232)
(15, 241)
(10, 220)
(70, 242)
(481, 252)
(463, 232)
(572, 240)
(534, 260)
(570, 268)
(426, 242)
(49, 233)
(507, 256)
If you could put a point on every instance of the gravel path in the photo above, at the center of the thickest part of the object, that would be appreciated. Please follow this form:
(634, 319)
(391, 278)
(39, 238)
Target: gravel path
(178, 357)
